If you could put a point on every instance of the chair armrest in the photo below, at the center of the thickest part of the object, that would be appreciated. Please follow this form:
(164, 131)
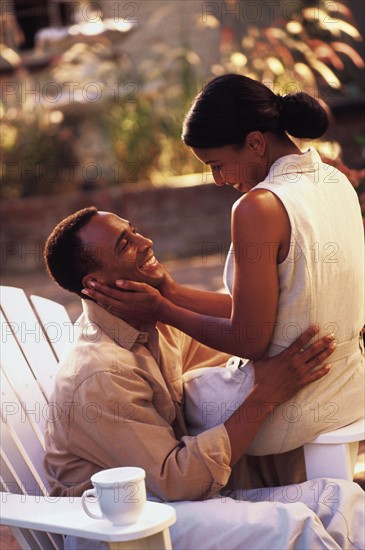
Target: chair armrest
(65, 516)
(347, 434)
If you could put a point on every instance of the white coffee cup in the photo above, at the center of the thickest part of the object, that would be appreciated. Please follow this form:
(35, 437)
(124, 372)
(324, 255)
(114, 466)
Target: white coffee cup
(120, 494)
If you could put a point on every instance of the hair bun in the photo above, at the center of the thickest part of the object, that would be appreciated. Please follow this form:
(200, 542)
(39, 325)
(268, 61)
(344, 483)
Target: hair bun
(302, 116)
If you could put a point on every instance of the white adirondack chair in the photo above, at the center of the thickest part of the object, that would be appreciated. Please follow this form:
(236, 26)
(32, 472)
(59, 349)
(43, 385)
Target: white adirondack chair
(34, 335)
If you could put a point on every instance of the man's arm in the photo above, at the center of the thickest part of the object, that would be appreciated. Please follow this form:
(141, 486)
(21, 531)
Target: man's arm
(133, 427)
(135, 416)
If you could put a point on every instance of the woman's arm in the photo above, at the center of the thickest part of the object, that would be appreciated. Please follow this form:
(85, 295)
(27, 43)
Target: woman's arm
(259, 226)
(215, 304)
(260, 236)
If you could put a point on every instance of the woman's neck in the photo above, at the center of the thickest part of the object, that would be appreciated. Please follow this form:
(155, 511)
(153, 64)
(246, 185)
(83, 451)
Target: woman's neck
(278, 147)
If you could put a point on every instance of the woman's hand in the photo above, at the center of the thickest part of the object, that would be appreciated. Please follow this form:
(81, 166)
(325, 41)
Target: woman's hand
(168, 287)
(282, 376)
(131, 301)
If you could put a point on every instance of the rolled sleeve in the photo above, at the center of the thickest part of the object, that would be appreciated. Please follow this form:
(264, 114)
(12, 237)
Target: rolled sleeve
(118, 409)
(215, 449)
(131, 429)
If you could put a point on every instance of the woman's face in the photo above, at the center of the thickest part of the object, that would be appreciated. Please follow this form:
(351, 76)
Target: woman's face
(239, 167)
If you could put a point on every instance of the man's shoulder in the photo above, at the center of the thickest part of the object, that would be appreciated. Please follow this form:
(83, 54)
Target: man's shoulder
(89, 356)
(172, 333)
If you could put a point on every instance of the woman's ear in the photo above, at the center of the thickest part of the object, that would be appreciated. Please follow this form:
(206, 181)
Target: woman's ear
(256, 142)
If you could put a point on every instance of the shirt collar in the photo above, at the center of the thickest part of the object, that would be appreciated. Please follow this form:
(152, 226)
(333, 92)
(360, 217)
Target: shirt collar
(295, 164)
(124, 334)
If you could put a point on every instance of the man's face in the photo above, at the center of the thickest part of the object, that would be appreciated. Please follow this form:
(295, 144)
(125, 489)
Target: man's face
(124, 253)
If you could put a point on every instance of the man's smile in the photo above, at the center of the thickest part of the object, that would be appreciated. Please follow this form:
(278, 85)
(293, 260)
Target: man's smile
(151, 262)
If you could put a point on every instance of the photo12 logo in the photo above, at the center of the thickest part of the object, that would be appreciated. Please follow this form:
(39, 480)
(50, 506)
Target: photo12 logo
(252, 12)
(54, 93)
(78, 11)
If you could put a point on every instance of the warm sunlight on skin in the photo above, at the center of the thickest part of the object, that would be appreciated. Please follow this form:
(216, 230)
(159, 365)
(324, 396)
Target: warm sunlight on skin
(245, 167)
(232, 166)
(123, 252)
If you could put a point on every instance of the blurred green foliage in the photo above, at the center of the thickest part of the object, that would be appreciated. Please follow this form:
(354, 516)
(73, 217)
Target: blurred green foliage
(126, 127)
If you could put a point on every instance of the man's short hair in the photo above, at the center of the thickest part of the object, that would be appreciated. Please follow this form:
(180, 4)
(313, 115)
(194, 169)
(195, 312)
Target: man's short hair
(67, 259)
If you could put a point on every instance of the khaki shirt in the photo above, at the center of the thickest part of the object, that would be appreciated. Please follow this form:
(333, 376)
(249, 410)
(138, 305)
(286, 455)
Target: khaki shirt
(118, 401)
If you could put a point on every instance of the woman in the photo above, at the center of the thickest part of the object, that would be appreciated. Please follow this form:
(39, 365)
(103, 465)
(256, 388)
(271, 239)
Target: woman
(296, 256)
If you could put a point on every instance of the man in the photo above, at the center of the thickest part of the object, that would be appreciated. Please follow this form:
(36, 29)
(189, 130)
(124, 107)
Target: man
(120, 390)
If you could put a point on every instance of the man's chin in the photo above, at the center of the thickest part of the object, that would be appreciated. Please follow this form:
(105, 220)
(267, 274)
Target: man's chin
(155, 281)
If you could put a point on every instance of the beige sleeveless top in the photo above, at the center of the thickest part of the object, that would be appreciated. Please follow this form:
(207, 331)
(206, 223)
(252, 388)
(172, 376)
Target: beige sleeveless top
(321, 281)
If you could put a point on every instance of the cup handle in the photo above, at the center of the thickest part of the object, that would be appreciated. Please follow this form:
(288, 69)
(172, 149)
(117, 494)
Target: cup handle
(85, 495)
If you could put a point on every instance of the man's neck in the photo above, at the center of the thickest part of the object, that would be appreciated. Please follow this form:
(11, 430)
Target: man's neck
(137, 324)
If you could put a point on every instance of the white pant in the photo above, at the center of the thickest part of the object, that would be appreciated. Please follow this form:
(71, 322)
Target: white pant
(212, 394)
(323, 514)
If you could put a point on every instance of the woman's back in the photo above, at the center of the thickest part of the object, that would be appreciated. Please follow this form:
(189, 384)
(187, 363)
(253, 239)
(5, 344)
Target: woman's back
(320, 281)
(322, 278)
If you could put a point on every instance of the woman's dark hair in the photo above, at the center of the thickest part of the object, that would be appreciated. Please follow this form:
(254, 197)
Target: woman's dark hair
(231, 106)
(67, 259)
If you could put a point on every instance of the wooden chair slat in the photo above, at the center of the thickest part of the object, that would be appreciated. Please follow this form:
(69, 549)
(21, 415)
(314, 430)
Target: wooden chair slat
(17, 474)
(19, 438)
(29, 333)
(21, 379)
(29, 362)
(56, 323)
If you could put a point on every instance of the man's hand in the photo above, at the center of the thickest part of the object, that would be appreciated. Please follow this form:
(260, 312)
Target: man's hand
(282, 376)
(277, 380)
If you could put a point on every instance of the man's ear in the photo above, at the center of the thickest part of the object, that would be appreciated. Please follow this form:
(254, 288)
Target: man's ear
(256, 142)
(86, 280)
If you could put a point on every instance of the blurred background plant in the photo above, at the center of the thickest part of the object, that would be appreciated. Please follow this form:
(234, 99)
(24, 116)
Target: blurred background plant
(309, 46)
(78, 112)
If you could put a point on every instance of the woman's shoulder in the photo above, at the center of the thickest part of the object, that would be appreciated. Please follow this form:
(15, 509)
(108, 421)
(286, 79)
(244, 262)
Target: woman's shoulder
(256, 201)
(260, 213)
